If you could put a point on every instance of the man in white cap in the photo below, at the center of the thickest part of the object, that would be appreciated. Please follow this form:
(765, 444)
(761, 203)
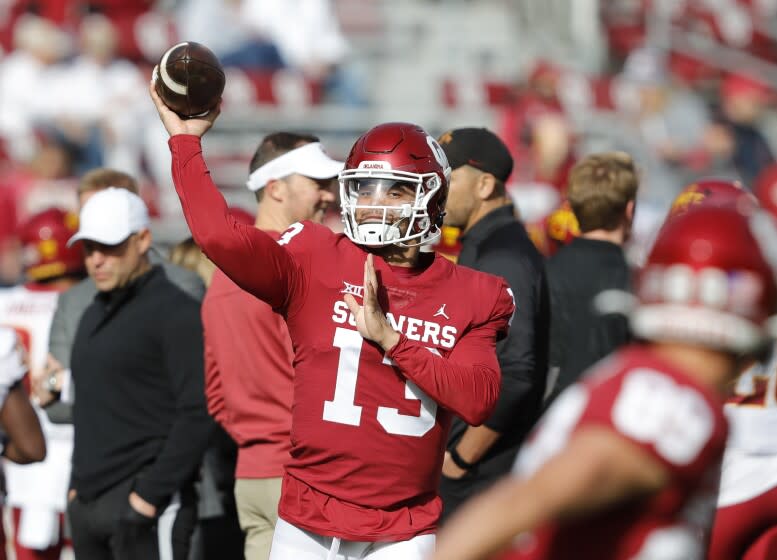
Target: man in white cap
(141, 424)
(55, 391)
(248, 352)
(116, 225)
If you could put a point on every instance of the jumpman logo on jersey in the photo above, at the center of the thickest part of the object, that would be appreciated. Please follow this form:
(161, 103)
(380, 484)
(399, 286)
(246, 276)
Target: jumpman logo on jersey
(441, 311)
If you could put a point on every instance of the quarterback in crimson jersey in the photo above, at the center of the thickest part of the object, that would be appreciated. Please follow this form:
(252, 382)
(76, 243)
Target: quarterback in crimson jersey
(386, 348)
(625, 465)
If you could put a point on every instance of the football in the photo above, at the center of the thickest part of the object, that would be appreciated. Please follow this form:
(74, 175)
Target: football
(189, 79)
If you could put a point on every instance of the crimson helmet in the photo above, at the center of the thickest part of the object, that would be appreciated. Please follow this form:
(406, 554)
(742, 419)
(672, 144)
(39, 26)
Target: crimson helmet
(766, 189)
(711, 192)
(710, 280)
(386, 155)
(44, 239)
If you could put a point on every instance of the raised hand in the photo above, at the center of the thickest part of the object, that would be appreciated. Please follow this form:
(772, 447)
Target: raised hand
(371, 322)
(175, 124)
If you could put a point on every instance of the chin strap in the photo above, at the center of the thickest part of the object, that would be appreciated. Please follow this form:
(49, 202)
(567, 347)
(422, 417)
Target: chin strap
(377, 234)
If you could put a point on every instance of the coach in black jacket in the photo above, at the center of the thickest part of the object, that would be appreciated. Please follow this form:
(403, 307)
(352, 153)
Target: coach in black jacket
(495, 241)
(140, 420)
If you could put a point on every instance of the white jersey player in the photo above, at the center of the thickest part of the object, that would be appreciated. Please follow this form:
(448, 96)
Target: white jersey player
(747, 502)
(22, 440)
(37, 493)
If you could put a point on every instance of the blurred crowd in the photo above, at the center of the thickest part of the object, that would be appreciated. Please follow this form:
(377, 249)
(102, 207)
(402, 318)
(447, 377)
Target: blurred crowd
(73, 76)
(679, 131)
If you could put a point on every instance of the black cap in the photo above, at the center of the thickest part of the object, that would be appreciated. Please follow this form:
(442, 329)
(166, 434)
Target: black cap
(478, 147)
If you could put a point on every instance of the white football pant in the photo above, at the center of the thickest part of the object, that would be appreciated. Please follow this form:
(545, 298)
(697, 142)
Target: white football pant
(292, 543)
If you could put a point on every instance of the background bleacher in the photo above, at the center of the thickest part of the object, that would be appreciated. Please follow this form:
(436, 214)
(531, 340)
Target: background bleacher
(449, 63)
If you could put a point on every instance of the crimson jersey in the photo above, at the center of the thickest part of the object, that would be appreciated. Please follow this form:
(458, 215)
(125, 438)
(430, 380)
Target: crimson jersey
(668, 415)
(368, 427)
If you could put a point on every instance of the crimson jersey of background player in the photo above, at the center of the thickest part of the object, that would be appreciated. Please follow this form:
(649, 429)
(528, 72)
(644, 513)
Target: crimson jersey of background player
(671, 418)
(626, 463)
(385, 350)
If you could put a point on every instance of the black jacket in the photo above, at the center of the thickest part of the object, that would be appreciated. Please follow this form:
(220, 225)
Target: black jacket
(499, 244)
(579, 335)
(137, 363)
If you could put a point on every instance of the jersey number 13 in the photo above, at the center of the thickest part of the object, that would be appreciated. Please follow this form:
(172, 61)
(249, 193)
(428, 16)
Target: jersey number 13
(343, 410)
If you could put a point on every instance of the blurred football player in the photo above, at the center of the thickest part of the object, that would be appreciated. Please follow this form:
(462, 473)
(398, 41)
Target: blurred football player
(746, 520)
(36, 493)
(23, 441)
(389, 341)
(625, 464)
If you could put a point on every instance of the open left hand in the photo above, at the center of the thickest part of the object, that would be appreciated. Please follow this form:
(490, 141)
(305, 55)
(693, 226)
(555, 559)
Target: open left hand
(370, 319)
(175, 124)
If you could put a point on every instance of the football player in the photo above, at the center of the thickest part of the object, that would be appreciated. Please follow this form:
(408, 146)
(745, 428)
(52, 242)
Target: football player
(36, 493)
(625, 464)
(22, 437)
(22, 440)
(389, 341)
(746, 520)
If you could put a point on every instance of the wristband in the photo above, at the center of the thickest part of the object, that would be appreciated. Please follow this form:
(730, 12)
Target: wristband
(459, 462)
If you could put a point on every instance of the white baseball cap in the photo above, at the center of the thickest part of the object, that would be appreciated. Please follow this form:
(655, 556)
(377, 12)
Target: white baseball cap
(309, 160)
(110, 216)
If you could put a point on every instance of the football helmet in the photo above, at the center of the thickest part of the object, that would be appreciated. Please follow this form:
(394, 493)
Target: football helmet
(711, 192)
(710, 280)
(385, 158)
(45, 253)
